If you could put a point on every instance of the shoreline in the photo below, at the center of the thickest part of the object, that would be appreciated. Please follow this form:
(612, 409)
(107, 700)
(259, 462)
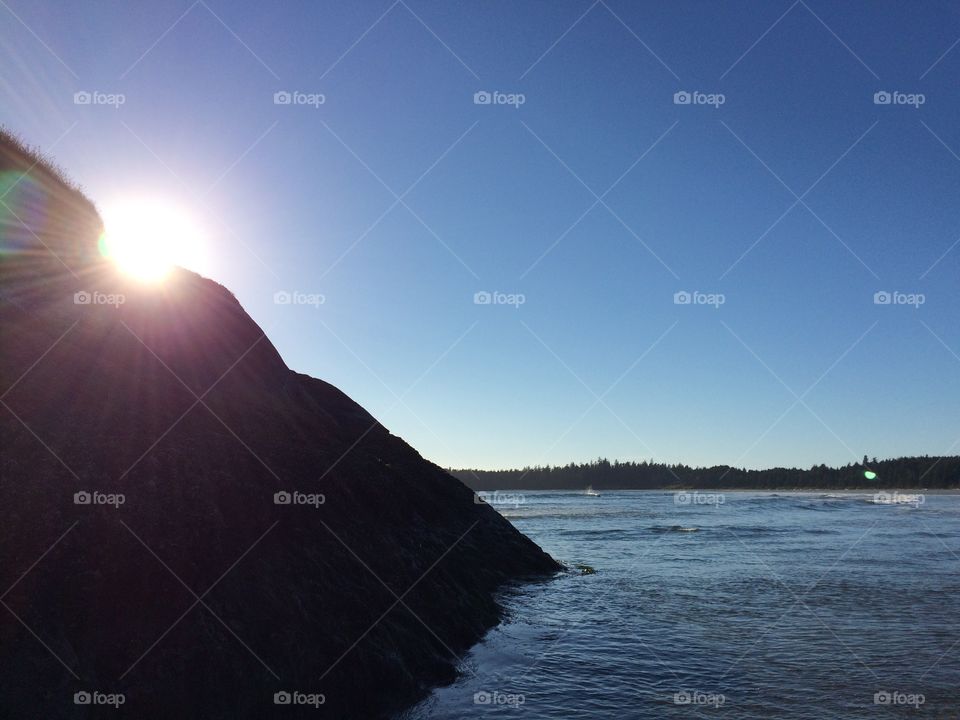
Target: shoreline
(851, 491)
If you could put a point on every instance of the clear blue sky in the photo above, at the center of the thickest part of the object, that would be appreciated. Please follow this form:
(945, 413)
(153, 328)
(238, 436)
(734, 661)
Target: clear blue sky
(289, 194)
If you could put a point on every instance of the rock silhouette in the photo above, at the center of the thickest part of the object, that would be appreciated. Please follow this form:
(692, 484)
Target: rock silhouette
(190, 523)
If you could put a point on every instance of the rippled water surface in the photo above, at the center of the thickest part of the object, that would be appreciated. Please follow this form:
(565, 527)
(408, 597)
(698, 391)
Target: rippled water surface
(788, 605)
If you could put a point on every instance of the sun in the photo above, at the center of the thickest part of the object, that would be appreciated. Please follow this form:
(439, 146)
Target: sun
(147, 237)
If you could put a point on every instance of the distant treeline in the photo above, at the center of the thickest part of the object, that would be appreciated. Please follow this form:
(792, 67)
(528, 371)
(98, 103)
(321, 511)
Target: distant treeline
(909, 472)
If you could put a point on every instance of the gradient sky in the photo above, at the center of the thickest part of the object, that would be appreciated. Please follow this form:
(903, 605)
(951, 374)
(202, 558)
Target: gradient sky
(797, 199)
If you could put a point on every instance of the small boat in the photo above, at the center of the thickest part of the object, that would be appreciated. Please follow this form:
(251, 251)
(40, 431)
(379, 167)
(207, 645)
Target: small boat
(591, 492)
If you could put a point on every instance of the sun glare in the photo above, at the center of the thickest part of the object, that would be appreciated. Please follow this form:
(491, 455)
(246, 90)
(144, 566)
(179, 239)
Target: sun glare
(147, 238)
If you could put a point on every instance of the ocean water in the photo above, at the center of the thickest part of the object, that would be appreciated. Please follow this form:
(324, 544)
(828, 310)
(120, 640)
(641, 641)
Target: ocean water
(740, 605)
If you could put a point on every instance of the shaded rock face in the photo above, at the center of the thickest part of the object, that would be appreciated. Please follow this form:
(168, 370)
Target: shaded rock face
(201, 596)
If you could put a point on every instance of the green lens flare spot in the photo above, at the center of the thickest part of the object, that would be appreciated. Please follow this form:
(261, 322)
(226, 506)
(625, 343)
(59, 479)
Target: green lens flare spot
(869, 474)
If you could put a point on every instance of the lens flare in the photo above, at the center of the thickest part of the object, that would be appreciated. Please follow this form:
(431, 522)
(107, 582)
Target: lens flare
(147, 238)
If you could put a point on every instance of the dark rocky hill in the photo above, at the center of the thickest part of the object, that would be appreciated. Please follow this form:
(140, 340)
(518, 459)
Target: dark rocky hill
(200, 596)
